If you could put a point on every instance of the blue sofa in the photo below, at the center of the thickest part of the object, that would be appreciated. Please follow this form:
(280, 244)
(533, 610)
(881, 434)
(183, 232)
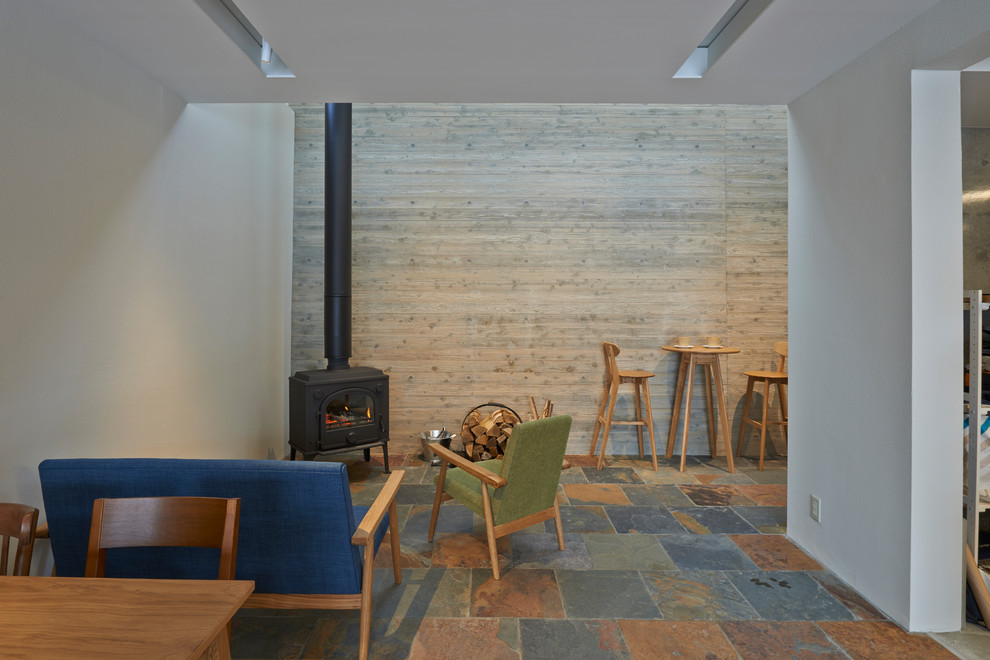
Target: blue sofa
(300, 540)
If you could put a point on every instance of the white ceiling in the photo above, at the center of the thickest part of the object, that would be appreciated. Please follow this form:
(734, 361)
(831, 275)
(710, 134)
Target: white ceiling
(489, 50)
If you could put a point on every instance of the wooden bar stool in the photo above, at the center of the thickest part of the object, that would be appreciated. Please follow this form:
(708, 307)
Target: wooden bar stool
(768, 378)
(641, 394)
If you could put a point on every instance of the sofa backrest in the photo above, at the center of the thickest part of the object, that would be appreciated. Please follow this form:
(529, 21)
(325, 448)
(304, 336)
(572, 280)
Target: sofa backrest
(296, 519)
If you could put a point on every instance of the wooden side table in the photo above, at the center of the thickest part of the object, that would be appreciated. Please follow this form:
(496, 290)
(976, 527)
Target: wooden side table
(707, 358)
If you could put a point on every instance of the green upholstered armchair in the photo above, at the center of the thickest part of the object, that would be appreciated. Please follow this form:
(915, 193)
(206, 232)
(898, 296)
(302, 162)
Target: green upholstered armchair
(521, 487)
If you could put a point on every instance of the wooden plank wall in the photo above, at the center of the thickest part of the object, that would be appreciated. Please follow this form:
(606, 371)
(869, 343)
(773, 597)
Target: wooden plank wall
(497, 246)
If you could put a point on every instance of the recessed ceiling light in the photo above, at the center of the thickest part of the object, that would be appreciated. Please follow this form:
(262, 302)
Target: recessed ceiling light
(730, 27)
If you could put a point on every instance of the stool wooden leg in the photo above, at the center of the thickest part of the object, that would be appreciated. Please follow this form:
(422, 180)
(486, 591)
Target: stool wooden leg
(745, 416)
(649, 421)
(707, 369)
(638, 401)
(723, 416)
(612, 396)
(687, 411)
(678, 397)
(763, 425)
(598, 420)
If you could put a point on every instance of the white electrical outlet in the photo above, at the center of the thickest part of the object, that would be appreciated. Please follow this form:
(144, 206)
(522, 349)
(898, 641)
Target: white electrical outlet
(816, 509)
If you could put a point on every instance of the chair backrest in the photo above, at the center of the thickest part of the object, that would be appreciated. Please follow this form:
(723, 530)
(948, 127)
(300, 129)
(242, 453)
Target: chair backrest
(295, 527)
(780, 348)
(610, 351)
(531, 468)
(17, 521)
(155, 522)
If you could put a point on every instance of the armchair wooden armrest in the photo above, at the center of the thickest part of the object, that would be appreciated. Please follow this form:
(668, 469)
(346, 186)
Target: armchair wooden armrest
(473, 469)
(385, 501)
(42, 531)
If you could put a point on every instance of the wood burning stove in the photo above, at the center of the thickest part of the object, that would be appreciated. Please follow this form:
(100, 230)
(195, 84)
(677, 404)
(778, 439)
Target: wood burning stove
(340, 408)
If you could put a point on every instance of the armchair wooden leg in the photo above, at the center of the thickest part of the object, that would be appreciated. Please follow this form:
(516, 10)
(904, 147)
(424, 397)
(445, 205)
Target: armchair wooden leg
(365, 633)
(393, 532)
(490, 530)
(557, 524)
(436, 500)
(763, 425)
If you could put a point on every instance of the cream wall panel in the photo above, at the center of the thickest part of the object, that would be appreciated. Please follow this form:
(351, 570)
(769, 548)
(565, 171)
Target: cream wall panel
(497, 246)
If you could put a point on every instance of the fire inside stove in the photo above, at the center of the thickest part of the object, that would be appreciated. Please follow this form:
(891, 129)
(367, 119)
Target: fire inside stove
(349, 409)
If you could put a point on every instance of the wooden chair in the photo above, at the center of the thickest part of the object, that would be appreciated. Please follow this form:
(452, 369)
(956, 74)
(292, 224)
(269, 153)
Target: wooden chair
(768, 378)
(131, 522)
(512, 492)
(17, 521)
(641, 395)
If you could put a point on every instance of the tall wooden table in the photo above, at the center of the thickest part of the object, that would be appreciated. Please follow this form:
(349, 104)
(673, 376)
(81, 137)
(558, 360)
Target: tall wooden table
(107, 618)
(707, 358)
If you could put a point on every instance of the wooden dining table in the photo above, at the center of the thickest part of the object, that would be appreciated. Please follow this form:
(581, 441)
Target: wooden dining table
(109, 618)
(708, 358)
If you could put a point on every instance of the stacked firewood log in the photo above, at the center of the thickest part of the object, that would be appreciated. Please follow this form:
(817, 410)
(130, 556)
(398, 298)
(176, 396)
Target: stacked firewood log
(485, 435)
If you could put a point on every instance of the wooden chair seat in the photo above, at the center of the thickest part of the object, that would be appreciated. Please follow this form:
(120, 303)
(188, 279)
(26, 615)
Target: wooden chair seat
(17, 521)
(776, 378)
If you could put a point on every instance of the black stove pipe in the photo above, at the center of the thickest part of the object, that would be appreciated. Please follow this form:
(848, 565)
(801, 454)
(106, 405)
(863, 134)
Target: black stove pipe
(337, 250)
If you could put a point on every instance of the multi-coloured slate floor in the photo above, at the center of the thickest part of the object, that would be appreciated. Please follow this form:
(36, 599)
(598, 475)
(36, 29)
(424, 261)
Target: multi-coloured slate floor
(658, 565)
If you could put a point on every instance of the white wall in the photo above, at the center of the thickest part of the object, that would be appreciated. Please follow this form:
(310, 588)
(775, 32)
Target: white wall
(875, 327)
(144, 262)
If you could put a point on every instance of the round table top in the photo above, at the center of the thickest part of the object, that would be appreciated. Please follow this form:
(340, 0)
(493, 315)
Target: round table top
(698, 348)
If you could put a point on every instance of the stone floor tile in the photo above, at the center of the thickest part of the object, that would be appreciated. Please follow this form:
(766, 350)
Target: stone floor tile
(612, 475)
(627, 552)
(715, 495)
(766, 476)
(883, 640)
(542, 551)
(521, 593)
(467, 551)
(565, 638)
(582, 520)
(690, 640)
(657, 495)
(337, 635)
(573, 475)
(788, 596)
(781, 640)
(643, 520)
(712, 520)
(854, 602)
(260, 634)
(416, 494)
(453, 518)
(722, 478)
(581, 460)
(665, 476)
(456, 639)
(595, 494)
(775, 553)
(606, 595)
(421, 591)
(705, 552)
(766, 519)
(764, 494)
(697, 596)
